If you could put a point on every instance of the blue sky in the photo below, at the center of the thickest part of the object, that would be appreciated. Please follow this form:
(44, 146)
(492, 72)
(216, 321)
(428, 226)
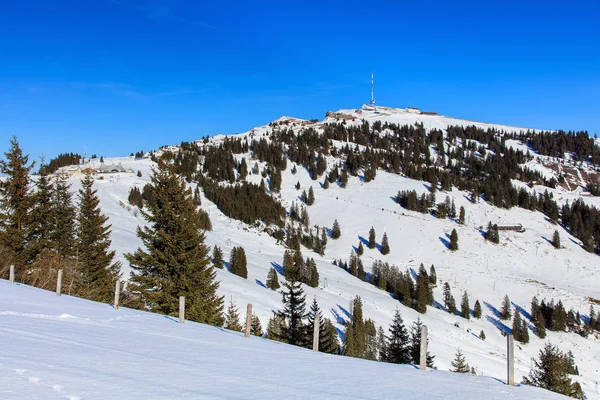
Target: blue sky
(117, 76)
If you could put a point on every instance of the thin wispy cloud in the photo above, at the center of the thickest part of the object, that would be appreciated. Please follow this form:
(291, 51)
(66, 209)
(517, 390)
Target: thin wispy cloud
(160, 11)
(130, 91)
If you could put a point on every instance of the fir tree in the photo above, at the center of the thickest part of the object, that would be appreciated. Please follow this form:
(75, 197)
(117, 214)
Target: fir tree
(325, 184)
(335, 230)
(461, 216)
(272, 279)
(98, 272)
(360, 249)
(15, 203)
(432, 275)
(371, 352)
(64, 215)
(551, 372)
(276, 328)
(41, 228)
(344, 178)
(398, 350)
(381, 345)
(465, 311)
(385, 246)
(238, 263)
(327, 342)
(372, 238)
(255, 326)
(482, 335)
(540, 324)
(453, 240)
(477, 310)
(459, 364)
(517, 326)
(243, 170)
(556, 240)
(355, 334)
(505, 312)
(293, 313)
(217, 258)
(311, 197)
(175, 262)
(232, 318)
(415, 344)
(449, 302)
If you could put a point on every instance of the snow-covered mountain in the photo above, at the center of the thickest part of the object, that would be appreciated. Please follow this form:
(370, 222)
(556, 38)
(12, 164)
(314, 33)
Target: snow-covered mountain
(524, 264)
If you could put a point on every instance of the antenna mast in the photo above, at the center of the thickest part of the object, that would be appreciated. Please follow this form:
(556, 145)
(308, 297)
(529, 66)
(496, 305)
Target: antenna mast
(372, 89)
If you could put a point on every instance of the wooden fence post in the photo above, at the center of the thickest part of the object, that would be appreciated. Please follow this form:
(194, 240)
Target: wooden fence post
(59, 282)
(12, 274)
(423, 350)
(117, 294)
(510, 360)
(181, 309)
(316, 333)
(248, 320)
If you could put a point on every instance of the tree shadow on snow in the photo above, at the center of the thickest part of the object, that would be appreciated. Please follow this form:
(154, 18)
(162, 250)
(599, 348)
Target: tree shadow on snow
(338, 317)
(445, 242)
(277, 267)
(226, 264)
(172, 319)
(413, 273)
(546, 239)
(439, 305)
(259, 283)
(346, 313)
(522, 311)
(492, 309)
(499, 324)
(364, 241)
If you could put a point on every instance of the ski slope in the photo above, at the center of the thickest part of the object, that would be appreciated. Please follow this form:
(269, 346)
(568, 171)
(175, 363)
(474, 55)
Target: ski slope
(69, 348)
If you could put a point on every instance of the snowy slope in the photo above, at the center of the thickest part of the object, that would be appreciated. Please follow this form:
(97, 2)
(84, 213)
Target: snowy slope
(522, 265)
(69, 348)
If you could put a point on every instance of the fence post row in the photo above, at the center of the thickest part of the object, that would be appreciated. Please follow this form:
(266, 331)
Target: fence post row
(181, 309)
(510, 360)
(59, 282)
(423, 349)
(248, 320)
(117, 294)
(316, 333)
(12, 274)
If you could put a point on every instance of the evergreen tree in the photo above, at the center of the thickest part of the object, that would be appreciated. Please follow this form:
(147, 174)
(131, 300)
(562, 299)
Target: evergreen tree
(64, 214)
(415, 344)
(360, 249)
(517, 326)
(371, 351)
(335, 230)
(505, 312)
(432, 275)
(15, 203)
(465, 311)
(98, 272)
(217, 260)
(255, 326)
(232, 318)
(272, 279)
(385, 246)
(372, 238)
(355, 335)
(482, 335)
(398, 349)
(325, 184)
(551, 372)
(559, 318)
(243, 170)
(459, 364)
(327, 342)
(556, 240)
(293, 313)
(453, 240)
(477, 310)
(237, 262)
(381, 344)
(449, 301)
(175, 262)
(540, 324)
(344, 178)
(461, 216)
(276, 327)
(41, 228)
(311, 197)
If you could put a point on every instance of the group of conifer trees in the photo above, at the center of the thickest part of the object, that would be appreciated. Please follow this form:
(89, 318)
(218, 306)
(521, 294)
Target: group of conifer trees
(43, 229)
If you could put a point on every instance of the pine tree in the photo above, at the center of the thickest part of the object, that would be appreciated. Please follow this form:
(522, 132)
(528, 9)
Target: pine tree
(398, 350)
(449, 302)
(327, 342)
(540, 324)
(344, 178)
(40, 230)
(272, 279)
(325, 184)
(276, 327)
(371, 351)
(461, 216)
(482, 335)
(217, 260)
(372, 238)
(477, 310)
(255, 326)
(415, 344)
(335, 230)
(15, 203)
(237, 262)
(98, 272)
(64, 214)
(243, 170)
(517, 326)
(453, 240)
(304, 197)
(293, 313)
(432, 275)
(311, 197)
(381, 345)
(459, 363)
(505, 313)
(385, 246)
(551, 372)
(360, 249)
(556, 240)
(232, 318)
(355, 335)
(175, 262)
(465, 311)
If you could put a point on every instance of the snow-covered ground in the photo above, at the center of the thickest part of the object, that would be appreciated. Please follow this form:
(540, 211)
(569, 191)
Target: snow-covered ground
(69, 348)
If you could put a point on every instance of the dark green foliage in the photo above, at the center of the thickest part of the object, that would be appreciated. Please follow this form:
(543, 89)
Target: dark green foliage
(328, 342)
(237, 262)
(344, 178)
(310, 200)
(95, 259)
(465, 311)
(372, 242)
(336, 232)
(415, 344)
(255, 326)
(551, 372)
(354, 342)
(64, 215)
(275, 181)
(558, 320)
(453, 240)
(325, 184)
(449, 302)
(360, 249)
(385, 246)
(42, 221)
(243, 169)
(398, 344)
(492, 234)
(62, 160)
(459, 364)
(16, 203)
(556, 240)
(461, 216)
(272, 279)
(217, 258)
(139, 174)
(423, 291)
(477, 310)
(135, 197)
(276, 327)
(411, 201)
(505, 312)
(519, 328)
(175, 261)
(432, 275)
(232, 318)
(482, 335)
(294, 311)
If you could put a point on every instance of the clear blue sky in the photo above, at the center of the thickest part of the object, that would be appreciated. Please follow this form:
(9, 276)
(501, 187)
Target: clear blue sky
(118, 76)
